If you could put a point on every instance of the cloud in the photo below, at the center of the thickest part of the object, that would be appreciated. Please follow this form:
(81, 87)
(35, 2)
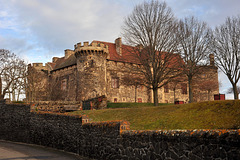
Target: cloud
(62, 24)
(45, 28)
(56, 26)
(214, 12)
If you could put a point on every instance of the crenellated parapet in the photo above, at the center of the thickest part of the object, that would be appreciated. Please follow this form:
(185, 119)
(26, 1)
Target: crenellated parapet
(95, 48)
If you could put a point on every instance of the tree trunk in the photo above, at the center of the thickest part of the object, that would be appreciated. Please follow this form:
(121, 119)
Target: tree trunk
(190, 89)
(155, 96)
(235, 91)
(1, 95)
(208, 95)
(174, 96)
(9, 93)
(135, 93)
(18, 95)
(13, 95)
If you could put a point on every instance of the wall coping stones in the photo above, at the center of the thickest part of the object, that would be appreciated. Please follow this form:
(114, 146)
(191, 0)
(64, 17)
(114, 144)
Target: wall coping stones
(85, 118)
(123, 125)
(201, 133)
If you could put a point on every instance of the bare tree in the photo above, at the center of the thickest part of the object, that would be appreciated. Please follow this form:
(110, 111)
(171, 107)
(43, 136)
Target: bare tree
(12, 69)
(193, 46)
(230, 90)
(151, 27)
(226, 47)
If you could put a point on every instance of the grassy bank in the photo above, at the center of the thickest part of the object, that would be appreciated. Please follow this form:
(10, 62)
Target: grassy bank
(133, 105)
(204, 115)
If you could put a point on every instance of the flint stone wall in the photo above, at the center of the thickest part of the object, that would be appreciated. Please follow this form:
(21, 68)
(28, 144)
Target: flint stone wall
(112, 140)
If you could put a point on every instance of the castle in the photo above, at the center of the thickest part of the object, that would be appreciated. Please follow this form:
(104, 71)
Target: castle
(100, 68)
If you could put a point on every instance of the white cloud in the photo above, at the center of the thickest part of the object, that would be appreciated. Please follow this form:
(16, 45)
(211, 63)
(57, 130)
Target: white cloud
(33, 28)
(62, 24)
(213, 12)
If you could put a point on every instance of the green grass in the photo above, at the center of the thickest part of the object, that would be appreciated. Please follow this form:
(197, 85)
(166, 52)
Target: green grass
(204, 115)
(133, 105)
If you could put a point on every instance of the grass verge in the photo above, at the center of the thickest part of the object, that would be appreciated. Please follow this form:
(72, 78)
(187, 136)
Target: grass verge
(133, 105)
(204, 115)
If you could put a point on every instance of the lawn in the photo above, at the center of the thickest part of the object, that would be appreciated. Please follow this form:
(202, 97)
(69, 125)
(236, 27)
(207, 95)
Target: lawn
(133, 105)
(204, 115)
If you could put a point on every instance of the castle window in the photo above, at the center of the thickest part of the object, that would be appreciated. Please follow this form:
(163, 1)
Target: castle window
(64, 85)
(115, 82)
(166, 89)
(115, 100)
(184, 88)
(91, 63)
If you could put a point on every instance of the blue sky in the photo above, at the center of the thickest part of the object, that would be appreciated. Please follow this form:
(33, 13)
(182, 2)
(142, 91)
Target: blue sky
(37, 30)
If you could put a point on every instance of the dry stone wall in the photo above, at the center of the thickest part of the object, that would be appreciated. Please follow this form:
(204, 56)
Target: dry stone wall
(113, 140)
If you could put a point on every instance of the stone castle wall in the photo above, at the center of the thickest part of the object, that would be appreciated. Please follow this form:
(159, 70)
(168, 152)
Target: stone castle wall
(38, 83)
(114, 140)
(64, 84)
(94, 74)
(125, 92)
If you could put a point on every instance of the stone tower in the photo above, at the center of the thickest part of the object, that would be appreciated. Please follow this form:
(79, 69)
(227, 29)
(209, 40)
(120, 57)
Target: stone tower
(91, 70)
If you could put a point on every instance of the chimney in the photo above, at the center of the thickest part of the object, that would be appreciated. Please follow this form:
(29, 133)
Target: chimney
(118, 43)
(54, 59)
(85, 44)
(139, 46)
(211, 58)
(68, 53)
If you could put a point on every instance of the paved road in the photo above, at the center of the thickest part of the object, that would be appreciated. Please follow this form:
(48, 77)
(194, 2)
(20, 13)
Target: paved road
(20, 151)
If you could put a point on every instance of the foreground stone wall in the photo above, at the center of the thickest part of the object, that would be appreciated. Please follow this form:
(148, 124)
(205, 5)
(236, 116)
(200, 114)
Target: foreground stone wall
(196, 144)
(114, 140)
(14, 122)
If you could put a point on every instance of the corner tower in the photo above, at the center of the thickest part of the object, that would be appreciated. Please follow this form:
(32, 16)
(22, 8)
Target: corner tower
(91, 70)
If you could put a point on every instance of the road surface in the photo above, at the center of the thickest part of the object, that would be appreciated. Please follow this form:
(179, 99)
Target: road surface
(20, 151)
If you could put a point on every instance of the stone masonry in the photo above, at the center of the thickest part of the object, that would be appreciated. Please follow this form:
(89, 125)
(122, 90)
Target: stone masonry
(99, 68)
(113, 139)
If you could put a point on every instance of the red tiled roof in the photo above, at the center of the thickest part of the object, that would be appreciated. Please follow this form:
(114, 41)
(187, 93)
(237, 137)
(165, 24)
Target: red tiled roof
(51, 64)
(63, 63)
(126, 56)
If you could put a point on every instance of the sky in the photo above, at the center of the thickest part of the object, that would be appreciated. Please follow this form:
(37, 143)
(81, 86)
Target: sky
(37, 30)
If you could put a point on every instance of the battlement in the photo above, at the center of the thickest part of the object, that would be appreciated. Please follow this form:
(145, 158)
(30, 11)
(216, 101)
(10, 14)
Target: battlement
(40, 66)
(37, 64)
(94, 47)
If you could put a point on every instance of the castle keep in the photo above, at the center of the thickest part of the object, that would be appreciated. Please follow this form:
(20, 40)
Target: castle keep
(101, 68)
